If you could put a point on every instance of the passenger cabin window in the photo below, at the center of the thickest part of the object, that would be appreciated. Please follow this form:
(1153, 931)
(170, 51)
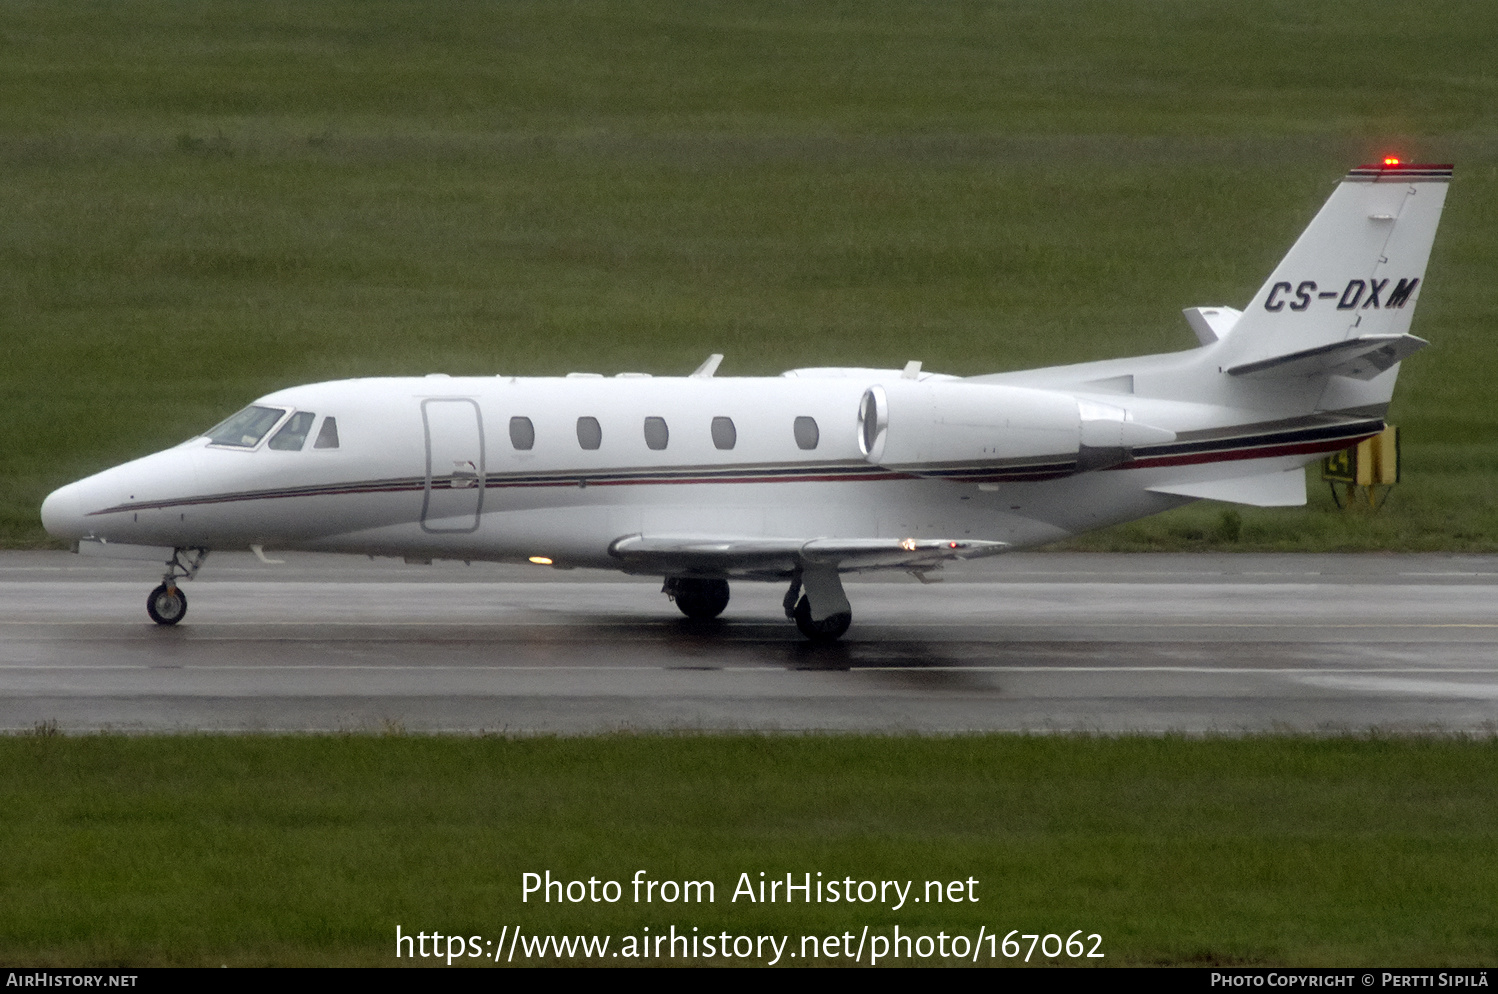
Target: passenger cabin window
(656, 433)
(247, 428)
(327, 436)
(293, 434)
(724, 434)
(589, 434)
(522, 433)
(806, 433)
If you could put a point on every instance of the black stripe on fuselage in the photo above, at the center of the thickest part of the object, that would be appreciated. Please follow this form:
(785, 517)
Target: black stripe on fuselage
(1291, 431)
(1265, 440)
(1290, 436)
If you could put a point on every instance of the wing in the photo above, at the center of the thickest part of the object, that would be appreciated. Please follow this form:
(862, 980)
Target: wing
(770, 558)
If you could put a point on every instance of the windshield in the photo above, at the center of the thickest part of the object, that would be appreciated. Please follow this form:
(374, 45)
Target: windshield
(293, 433)
(246, 428)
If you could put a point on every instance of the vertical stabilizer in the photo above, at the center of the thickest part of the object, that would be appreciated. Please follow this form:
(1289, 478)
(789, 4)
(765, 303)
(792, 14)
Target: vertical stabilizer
(1356, 272)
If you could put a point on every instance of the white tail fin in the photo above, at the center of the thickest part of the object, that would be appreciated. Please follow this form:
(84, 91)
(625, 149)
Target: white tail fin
(1354, 274)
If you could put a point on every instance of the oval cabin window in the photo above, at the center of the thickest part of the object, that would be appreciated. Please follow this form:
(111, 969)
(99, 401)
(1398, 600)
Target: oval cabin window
(806, 433)
(657, 435)
(589, 433)
(522, 433)
(725, 436)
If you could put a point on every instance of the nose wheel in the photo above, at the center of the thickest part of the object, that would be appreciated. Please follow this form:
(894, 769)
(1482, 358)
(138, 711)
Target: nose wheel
(167, 605)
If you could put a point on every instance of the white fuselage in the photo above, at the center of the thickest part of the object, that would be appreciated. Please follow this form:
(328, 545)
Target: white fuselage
(429, 468)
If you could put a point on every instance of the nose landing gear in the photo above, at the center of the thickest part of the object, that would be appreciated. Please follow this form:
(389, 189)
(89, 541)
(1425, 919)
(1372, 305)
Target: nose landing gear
(167, 604)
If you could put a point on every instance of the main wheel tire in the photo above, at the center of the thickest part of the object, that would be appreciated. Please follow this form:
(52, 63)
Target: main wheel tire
(829, 629)
(700, 599)
(167, 605)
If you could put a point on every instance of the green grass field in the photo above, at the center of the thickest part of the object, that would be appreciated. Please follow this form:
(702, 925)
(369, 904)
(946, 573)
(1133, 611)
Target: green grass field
(204, 201)
(1273, 851)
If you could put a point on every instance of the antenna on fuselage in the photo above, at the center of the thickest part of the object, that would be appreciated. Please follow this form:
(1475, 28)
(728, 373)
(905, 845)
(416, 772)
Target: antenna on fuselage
(708, 368)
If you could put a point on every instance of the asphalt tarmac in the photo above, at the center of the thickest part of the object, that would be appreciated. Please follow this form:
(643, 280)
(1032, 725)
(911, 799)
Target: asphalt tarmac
(1033, 642)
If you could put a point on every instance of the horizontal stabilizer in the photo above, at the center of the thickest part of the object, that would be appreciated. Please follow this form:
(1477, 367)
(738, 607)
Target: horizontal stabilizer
(1277, 489)
(1360, 358)
(718, 556)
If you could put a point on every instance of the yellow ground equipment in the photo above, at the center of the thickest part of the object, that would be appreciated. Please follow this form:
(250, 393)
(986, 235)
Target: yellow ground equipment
(1367, 470)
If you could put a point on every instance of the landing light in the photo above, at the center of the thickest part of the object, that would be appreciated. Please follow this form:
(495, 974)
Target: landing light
(540, 560)
(908, 544)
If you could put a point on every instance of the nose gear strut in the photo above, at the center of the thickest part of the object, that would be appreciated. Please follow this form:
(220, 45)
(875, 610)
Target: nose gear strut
(167, 605)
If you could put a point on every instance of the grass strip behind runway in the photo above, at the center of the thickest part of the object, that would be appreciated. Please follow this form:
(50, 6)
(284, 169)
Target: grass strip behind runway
(205, 200)
(311, 850)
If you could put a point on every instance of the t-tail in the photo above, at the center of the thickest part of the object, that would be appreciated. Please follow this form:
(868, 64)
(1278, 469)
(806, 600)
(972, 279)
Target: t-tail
(1338, 307)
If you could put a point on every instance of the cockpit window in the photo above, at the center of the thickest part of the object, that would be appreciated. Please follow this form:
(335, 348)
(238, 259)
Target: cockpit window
(293, 434)
(246, 428)
(327, 436)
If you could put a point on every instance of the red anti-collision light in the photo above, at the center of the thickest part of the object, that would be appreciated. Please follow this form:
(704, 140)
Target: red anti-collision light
(1390, 161)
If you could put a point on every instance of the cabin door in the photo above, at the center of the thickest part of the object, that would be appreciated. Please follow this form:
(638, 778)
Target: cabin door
(455, 466)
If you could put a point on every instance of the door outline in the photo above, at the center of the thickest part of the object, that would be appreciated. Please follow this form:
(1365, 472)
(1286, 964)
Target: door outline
(426, 496)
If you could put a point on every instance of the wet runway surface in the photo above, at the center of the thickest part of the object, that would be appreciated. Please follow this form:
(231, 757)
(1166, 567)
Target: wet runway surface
(1039, 642)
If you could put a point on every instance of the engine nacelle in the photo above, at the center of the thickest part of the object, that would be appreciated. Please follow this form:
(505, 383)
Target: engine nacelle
(993, 432)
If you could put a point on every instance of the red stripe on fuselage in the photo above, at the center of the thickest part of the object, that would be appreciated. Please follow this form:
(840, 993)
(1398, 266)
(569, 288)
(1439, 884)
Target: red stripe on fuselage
(1259, 452)
(998, 475)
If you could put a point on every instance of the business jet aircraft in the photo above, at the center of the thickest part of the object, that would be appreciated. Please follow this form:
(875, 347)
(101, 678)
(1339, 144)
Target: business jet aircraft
(801, 478)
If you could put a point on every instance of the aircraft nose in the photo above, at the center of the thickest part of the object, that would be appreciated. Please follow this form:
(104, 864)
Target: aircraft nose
(62, 513)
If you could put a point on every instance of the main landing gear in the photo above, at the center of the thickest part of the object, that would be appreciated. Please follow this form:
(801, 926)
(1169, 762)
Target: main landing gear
(825, 588)
(167, 604)
(815, 602)
(698, 599)
(829, 629)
